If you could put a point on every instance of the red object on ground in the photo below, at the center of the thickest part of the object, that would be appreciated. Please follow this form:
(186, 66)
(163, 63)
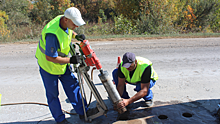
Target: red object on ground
(119, 61)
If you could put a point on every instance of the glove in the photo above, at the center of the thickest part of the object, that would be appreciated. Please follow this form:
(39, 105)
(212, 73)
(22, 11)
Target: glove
(75, 59)
(80, 37)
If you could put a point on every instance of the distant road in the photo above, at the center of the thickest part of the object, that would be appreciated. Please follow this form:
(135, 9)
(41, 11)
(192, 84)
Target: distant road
(188, 69)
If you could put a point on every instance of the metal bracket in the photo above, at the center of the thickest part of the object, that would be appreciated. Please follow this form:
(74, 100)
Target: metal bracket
(101, 106)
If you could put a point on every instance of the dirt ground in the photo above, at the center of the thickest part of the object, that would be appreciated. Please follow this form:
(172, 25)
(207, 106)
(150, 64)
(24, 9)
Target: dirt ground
(187, 90)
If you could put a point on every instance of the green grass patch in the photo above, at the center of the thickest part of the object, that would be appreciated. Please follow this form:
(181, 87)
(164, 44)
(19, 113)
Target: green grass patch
(189, 35)
(131, 37)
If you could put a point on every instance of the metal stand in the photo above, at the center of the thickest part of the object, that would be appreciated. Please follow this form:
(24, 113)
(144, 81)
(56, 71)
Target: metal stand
(102, 108)
(82, 70)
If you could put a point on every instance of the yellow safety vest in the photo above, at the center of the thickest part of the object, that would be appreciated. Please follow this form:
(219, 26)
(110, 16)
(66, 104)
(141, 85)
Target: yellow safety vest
(64, 42)
(142, 63)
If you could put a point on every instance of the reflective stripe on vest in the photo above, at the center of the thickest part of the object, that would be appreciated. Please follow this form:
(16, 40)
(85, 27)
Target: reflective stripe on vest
(59, 53)
(142, 63)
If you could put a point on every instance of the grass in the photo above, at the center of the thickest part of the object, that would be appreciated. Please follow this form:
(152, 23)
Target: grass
(118, 37)
(131, 37)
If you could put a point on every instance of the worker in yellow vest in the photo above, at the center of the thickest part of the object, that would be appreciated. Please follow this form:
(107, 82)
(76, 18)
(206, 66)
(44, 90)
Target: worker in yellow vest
(137, 71)
(52, 55)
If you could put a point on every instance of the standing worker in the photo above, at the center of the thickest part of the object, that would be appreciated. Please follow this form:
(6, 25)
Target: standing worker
(54, 63)
(139, 72)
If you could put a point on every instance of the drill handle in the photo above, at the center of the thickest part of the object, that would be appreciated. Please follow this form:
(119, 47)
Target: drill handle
(72, 49)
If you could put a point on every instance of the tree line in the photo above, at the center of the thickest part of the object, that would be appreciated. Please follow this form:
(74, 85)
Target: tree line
(20, 19)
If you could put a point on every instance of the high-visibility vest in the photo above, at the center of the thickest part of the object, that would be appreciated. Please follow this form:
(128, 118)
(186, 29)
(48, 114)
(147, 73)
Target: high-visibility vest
(142, 63)
(64, 42)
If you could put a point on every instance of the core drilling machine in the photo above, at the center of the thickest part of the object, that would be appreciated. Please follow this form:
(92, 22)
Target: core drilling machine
(88, 59)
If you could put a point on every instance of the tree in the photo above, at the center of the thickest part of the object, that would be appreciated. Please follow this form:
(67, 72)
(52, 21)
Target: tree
(17, 11)
(4, 32)
(196, 15)
(215, 22)
(59, 6)
(45, 10)
(130, 9)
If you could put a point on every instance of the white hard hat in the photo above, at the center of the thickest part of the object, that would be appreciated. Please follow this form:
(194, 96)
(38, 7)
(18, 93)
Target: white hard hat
(74, 14)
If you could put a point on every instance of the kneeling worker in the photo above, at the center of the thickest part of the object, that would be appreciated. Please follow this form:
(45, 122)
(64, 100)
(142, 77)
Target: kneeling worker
(136, 71)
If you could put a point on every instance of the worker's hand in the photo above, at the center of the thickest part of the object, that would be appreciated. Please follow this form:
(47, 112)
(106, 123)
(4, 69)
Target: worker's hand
(123, 103)
(75, 59)
(80, 37)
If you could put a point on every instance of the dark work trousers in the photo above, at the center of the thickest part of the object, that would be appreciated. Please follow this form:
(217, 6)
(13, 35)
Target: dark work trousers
(71, 87)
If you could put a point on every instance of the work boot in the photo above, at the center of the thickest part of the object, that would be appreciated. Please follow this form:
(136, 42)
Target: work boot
(64, 122)
(90, 112)
(149, 103)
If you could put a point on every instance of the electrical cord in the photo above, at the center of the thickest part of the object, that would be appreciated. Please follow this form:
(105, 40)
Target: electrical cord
(37, 104)
(7, 104)
(48, 105)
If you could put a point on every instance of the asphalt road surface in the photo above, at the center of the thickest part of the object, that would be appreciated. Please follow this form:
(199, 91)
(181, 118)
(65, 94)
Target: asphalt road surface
(187, 90)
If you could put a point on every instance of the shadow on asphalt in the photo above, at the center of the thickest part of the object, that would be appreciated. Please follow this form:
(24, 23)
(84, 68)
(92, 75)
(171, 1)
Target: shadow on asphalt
(173, 112)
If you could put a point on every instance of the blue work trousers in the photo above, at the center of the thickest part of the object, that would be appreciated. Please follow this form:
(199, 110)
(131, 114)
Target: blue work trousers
(71, 87)
(125, 95)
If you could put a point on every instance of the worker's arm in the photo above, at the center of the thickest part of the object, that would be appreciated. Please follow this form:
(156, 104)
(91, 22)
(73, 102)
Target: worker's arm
(121, 81)
(137, 96)
(64, 60)
(143, 92)
(145, 84)
(52, 45)
(58, 59)
(74, 34)
(121, 85)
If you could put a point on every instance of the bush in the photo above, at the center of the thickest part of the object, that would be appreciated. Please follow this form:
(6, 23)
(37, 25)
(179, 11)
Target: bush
(156, 19)
(123, 26)
(4, 32)
(17, 11)
(45, 10)
(215, 21)
(22, 19)
(195, 15)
